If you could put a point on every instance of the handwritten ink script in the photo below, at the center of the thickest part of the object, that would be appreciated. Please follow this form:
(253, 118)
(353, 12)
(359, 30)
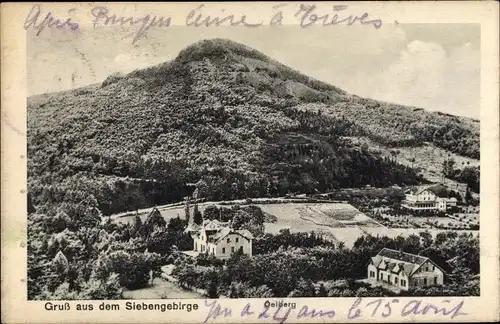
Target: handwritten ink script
(305, 15)
(361, 309)
(33, 21)
(102, 16)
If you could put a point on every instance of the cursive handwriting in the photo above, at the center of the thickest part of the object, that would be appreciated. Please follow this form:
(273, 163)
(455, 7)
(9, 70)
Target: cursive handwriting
(385, 308)
(312, 313)
(102, 16)
(196, 18)
(32, 21)
(354, 311)
(360, 309)
(309, 17)
(216, 311)
(278, 315)
(306, 15)
(415, 307)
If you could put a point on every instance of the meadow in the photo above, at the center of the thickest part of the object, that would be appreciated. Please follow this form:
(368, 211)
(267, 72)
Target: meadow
(335, 221)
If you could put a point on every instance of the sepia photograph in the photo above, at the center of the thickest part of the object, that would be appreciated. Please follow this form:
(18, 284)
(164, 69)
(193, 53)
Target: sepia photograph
(267, 162)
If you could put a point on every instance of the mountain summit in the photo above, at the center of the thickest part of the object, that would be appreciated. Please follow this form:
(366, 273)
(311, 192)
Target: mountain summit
(230, 119)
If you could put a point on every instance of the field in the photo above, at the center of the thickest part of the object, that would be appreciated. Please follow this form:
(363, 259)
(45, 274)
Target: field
(335, 221)
(338, 221)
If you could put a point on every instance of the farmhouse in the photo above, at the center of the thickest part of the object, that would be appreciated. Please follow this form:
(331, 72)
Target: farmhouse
(404, 270)
(217, 238)
(425, 199)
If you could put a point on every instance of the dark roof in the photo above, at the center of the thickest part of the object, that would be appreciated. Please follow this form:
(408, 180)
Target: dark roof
(225, 231)
(402, 256)
(419, 190)
(408, 263)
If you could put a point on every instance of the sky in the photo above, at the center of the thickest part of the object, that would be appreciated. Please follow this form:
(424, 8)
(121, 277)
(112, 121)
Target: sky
(432, 66)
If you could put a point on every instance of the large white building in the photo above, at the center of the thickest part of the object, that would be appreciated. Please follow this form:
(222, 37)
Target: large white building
(425, 199)
(217, 238)
(403, 270)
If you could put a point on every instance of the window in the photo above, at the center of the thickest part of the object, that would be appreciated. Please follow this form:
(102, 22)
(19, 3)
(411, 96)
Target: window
(232, 249)
(241, 249)
(425, 281)
(228, 240)
(395, 280)
(196, 246)
(435, 280)
(237, 239)
(403, 282)
(223, 250)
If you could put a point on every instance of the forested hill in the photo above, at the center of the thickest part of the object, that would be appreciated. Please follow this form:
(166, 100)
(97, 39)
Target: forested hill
(228, 118)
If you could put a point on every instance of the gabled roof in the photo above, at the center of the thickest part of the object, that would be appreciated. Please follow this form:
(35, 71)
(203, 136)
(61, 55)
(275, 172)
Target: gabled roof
(408, 263)
(245, 233)
(409, 268)
(421, 190)
(210, 225)
(207, 225)
(219, 235)
(391, 266)
(402, 256)
(399, 267)
(376, 260)
(225, 231)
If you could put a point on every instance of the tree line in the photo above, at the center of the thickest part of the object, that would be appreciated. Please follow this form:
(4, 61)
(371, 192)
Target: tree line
(304, 265)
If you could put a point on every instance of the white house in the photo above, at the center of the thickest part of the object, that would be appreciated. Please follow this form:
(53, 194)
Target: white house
(217, 238)
(425, 199)
(404, 270)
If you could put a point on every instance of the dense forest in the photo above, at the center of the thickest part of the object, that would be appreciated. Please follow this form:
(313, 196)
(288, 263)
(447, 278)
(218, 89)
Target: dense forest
(85, 258)
(225, 114)
(277, 267)
(221, 121)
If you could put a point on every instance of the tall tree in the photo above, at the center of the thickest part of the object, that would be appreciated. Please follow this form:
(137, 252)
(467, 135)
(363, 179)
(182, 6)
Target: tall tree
(186, 210)
(197, 217)
(136, 228)
(468, 196)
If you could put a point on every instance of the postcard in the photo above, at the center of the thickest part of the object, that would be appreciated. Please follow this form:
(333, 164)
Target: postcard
(250, 162)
